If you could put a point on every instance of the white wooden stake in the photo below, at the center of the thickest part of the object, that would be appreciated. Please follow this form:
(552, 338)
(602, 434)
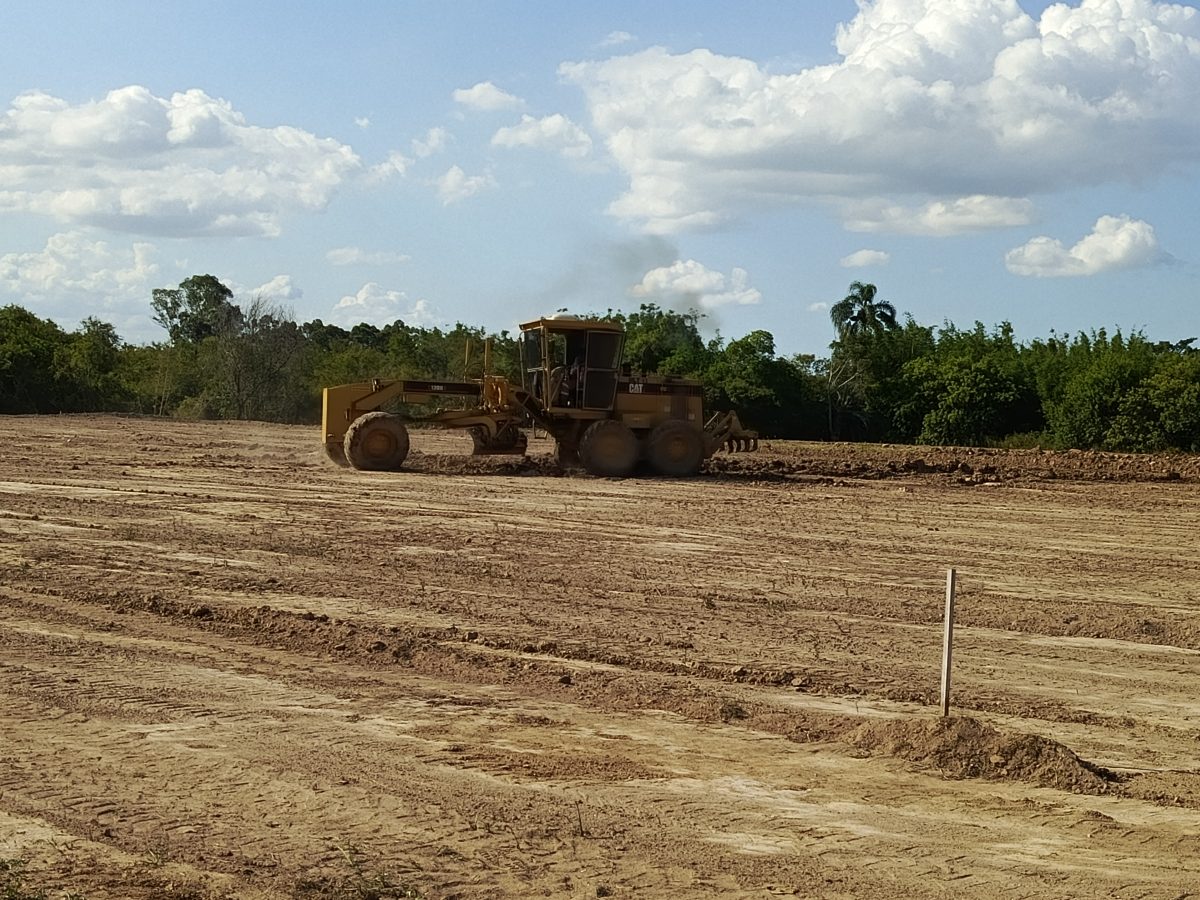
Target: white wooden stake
(947, 642)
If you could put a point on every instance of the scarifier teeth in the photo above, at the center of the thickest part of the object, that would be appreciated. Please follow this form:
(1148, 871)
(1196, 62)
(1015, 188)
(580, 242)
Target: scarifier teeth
(741, 445)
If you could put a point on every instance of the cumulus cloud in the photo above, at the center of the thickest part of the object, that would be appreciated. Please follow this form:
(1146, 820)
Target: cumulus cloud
(356, 256)
(940, 217)
(1116, 242)
(930, 100)
(73, 269)
(432, 143)
(556, 132)
(863, 258)
(185, 165)
(376, 306)
(395, 166)
(279, 289)
(456, 185)
(687, 283)
(362, 122)
(818, 306)
(486, 97)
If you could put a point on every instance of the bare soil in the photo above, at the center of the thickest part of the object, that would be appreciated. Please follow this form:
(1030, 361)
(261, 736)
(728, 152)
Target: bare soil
(229, 669)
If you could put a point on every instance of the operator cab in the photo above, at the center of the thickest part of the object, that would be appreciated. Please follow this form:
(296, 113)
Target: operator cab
(569, 363)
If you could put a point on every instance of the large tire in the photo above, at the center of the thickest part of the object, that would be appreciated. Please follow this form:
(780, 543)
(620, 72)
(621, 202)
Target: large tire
(608, 448)
(377, 442)
(675, 448)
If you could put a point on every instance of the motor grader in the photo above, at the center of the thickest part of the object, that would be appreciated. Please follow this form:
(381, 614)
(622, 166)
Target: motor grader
(574, 387)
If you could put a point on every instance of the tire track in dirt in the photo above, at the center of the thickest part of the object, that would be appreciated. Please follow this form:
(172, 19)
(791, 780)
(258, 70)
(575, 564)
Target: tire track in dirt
(220, 631)
(206, 777)
(812, 676)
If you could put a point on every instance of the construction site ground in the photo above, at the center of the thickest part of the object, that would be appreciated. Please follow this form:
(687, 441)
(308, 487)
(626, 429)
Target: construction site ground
(230, 669)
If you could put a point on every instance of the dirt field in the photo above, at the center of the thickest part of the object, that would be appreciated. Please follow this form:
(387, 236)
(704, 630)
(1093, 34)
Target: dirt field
(229, 669)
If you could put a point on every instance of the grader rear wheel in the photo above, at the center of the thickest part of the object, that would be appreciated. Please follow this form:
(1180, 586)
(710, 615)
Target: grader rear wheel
(675, 448)
(377, 442)
(608, 448)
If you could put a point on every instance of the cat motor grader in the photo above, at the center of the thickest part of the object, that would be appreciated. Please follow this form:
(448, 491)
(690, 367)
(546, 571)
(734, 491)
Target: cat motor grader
(574, 387)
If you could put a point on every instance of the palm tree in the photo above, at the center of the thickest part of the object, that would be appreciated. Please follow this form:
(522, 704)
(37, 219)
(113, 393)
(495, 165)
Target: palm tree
(859, 313)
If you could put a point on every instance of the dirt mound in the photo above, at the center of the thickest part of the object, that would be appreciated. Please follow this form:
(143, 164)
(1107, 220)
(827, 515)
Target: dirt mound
(792, 460)
(465, 464)
(967, 748)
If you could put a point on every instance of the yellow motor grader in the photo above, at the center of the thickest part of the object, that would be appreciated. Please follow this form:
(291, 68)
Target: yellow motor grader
(574, 387)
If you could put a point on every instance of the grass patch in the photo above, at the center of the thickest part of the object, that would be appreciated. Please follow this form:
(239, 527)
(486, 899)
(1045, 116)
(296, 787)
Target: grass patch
(358, 882)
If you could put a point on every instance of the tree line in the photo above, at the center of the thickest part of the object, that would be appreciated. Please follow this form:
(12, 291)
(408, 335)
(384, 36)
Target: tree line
(886, 378)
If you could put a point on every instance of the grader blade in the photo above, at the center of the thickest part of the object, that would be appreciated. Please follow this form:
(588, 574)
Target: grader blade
(508, 441)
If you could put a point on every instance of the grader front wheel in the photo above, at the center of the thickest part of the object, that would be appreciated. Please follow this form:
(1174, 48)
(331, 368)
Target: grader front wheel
(608, 448)
(377, 442)
(675, 449)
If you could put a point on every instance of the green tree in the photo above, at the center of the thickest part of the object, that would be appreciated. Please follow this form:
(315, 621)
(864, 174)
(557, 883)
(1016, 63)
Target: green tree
(89, 362)
(781, 397)
(862, 312)
(663, 341)
(29, 382)
(970, 387)
(742, 376)
(259, 365)
(1101, 371)
(324, 337)
(864, 380)
(1163, 411)
(199, 308)
(965, 402)
(348, 364)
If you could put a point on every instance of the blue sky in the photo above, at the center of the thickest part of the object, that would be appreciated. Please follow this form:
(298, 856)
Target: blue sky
(980, 160)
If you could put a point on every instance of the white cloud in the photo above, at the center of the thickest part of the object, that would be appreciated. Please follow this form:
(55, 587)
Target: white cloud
(279, 289)
(356, 256)
(930, 100)
(615, 38)
(862, 258)
(555, 132)
(940, 217)
(376, 306)
(688, 283)
(486, 97)
(74, 270)
(433, 142)
(1116, 242)
(185, 165)
(819, 306)
(362, 122)
(395, 166)
(456, 185)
